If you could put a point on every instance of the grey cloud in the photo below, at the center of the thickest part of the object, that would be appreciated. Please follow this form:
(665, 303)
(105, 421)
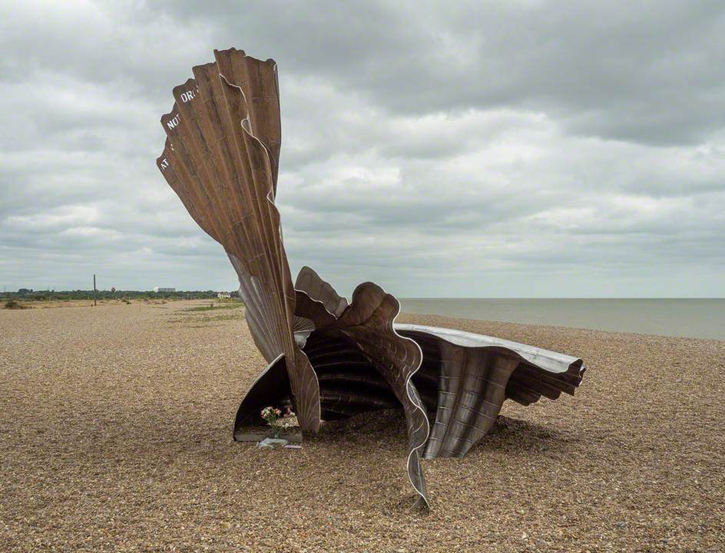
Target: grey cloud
(471, 149)
(629, 71)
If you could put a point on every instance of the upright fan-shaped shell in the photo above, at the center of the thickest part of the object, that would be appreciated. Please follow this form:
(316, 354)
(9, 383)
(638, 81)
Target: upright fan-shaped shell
(222, 158)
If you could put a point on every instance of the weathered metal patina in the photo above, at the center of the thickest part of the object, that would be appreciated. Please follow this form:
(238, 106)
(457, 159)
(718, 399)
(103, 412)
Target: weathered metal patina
(327, 358)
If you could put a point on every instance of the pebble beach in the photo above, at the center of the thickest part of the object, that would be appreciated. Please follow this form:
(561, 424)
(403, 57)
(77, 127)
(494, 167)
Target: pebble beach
(116, 435)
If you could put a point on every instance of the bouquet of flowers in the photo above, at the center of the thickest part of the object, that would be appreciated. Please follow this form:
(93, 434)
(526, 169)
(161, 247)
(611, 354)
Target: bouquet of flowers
(276, 420)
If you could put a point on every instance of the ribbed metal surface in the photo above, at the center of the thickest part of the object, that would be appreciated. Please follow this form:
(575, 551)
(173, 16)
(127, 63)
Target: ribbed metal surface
(476, 374)
(471, 391)
(368, 323)
(309, 282)
(221, 158)
(329, 358)
(272, 387)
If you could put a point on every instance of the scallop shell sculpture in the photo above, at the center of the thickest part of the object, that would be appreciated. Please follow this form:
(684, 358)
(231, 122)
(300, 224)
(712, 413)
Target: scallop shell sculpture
(328, 358)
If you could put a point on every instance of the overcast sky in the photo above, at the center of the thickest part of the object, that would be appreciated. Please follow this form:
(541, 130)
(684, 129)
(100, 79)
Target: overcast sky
(482, 149)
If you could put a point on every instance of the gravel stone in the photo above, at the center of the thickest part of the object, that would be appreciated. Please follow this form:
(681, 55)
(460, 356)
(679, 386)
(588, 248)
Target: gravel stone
(116, 435)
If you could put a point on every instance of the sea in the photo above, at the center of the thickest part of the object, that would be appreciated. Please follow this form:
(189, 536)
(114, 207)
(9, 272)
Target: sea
(691, 318)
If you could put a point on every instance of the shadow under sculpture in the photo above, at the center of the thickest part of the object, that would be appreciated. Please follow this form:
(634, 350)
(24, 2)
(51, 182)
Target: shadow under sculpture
(330, 359)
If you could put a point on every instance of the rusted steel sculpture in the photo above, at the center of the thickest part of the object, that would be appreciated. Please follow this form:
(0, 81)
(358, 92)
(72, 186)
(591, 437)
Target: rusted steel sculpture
(327, 358)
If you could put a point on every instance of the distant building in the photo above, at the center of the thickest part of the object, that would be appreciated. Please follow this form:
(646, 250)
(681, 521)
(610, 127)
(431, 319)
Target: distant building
(221, 295)
(159, 289)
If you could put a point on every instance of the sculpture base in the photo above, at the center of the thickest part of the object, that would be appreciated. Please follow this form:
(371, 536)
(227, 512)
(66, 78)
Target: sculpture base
(251, 435)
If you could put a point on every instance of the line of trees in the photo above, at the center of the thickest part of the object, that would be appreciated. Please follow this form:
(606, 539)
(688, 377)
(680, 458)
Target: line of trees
(67, 295)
